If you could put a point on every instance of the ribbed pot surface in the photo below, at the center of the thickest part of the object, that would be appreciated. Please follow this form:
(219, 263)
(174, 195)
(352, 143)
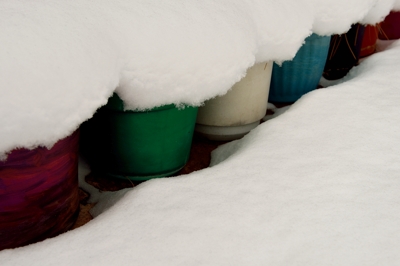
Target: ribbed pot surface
(39, 195)
(301, 75)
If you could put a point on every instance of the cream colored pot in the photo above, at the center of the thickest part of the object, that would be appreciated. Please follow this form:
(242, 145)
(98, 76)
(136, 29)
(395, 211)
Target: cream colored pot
(234, 114)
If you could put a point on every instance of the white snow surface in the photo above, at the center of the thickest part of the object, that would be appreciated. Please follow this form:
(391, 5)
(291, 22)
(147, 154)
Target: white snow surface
(396, 6)
(61, 60)
(317, 185)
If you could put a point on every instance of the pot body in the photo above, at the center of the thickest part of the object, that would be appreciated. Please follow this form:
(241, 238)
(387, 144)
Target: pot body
(39, 193)
(301, 75)
(234, 114)
(389, 29)
(368, 45)
(138, 145)
(344, 52)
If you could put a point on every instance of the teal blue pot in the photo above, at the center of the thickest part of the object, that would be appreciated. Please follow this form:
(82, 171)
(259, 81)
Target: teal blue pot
(301, 75)
(138, 145)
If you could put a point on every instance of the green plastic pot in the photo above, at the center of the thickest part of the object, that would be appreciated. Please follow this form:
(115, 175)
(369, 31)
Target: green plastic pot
(138, 145)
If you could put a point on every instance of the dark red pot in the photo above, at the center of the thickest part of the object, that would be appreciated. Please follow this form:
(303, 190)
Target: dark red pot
(368, 45)
(38, 193)
(389, 29)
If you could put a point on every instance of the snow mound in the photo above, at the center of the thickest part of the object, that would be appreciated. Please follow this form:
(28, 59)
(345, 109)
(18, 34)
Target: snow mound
(61, 60)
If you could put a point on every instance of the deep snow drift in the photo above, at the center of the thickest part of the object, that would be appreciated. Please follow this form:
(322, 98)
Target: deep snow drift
(61, 60)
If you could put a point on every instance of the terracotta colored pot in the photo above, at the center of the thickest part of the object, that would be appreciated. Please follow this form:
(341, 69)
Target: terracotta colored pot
(301, 75)
(138, 145)
(344, 52)
(368, 45)
(39, 196)
(389, 29)
(240, 110)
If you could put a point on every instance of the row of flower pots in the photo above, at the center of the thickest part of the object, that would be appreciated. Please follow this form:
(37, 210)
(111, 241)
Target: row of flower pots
(39, 188)
(140, 145)
(222, 118)
(332, 56)
(39, 194)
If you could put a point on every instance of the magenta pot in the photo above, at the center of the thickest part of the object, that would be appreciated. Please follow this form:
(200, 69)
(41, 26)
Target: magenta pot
(39, 193)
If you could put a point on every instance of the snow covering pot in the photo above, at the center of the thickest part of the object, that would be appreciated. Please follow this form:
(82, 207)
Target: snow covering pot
(390, 28)
(39, 193)
(368, 45)
(301, 75)
(344, 52)
(240, 110)
(138, 145)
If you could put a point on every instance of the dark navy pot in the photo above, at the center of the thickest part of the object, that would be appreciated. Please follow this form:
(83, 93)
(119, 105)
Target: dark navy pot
(301, 75)
(344, 52)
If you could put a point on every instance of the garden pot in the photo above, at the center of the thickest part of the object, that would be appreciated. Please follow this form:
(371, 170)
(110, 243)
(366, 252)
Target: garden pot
(344, 52)
(389, 29)
(240, 110)
(39, 193)
(301, 75)
(138, 145)
(368, 45)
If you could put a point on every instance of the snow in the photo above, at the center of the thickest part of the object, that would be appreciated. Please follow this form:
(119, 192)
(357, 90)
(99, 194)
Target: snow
(316, 185)
(71, 56)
